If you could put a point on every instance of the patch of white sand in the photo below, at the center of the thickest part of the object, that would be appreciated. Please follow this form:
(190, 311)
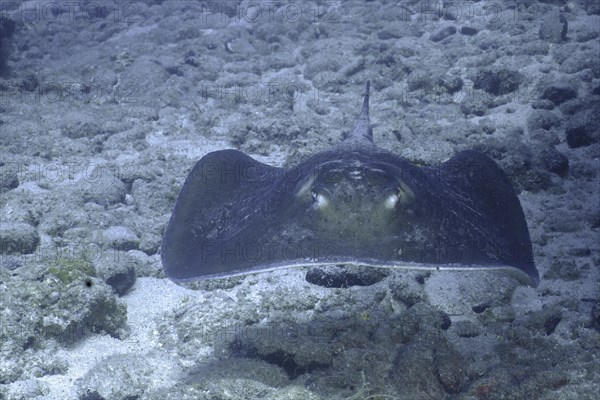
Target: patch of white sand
(148, 299)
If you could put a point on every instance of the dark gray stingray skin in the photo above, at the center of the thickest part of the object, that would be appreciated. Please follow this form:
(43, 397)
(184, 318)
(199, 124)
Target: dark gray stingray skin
(354, 204)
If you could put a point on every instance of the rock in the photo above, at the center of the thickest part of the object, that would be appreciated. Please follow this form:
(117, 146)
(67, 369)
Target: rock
(389, 33)
(120, 238)
(120, 376)
(430, 316)
(580, 60)
(29, 83)
(103, 188)
(535, 179)
(11, 262)
(592, 8)
(580, 252)
(542, 119)
(413, 372)
(488, 129)
(559, 92)
(542, 105)
(578, 138)
(553, 27)
(90, 307)
(27, 389)
(420, 80)
(8, 178)
(442, 33)
(473, 107)
(562, 222)
(450, 369)
(584, 28)
(467, 329)
(468, 30)
(24, 303)
(117, 270)
(563, 269)
(420, 368)
(498, 81)
(494, 315)
(18, 238)
(72, 269)
(546, 139)
(83, 129)
(406, 294)
(573, 106)
(450, 84)
(545, 320)
(583, 128)
(150, 242)
(555, 161)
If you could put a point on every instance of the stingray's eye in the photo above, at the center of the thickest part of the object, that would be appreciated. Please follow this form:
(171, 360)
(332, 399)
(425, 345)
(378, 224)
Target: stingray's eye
(318, 200)
(304, 192)
(391, 200)
(403, 196)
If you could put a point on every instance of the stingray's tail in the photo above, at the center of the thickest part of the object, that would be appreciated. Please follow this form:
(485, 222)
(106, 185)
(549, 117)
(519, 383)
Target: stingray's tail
(362, 129)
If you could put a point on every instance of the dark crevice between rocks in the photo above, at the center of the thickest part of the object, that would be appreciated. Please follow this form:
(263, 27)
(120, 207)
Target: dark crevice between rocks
(288, 363)
(479, 308)
(340, 276)
(420, 278)
(91, 395)
(285, 361)
(595, 316)
(551, 322)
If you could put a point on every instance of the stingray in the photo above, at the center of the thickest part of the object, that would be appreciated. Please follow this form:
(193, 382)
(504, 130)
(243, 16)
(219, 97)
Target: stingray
(353, 204)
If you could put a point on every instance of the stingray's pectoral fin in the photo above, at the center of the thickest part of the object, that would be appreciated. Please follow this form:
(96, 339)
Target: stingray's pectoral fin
(494, 196)
(218, 195)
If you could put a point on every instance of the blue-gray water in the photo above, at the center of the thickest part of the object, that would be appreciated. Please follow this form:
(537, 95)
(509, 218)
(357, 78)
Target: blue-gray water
(105, 107)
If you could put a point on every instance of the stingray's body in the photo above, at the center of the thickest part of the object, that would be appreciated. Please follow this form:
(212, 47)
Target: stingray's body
(353, 204)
